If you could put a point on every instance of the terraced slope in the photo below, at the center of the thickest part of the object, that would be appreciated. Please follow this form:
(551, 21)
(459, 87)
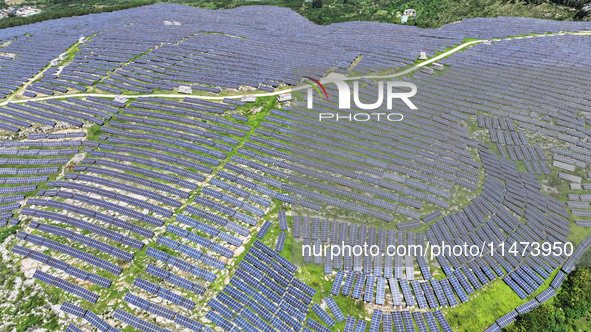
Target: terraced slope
(129, 205)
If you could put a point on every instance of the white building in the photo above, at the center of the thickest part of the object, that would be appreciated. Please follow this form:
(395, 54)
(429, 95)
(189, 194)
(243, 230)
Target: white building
(437, 66)
(410, 12)
(427, 70)
(423, 56)
(248, 98)
(27, 11)
(185, 89)
(120, 99)
(284, 97)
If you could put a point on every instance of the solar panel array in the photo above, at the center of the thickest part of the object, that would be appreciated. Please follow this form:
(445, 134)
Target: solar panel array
(266, 284)
(156, 153)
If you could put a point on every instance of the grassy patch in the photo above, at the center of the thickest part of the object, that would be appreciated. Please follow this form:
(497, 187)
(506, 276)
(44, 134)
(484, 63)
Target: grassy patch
(487, 305)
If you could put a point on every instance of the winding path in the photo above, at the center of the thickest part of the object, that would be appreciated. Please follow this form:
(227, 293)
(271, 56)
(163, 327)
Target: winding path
(297, 88)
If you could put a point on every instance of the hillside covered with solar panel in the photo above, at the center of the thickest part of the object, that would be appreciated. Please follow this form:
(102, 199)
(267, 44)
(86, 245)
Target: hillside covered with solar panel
(163, 168)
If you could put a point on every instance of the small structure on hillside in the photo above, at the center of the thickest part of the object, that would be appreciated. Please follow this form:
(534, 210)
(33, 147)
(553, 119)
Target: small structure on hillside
(185, 89)
(248, 98)
(423, 56)
(411, 13)
(284, 97)
(120, 99)
(25, 11)
(427, 70)
(437, 66)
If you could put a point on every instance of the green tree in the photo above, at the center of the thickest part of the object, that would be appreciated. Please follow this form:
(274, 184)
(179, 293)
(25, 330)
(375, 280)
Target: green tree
(575, 297)
(316, 3)
(573, 301)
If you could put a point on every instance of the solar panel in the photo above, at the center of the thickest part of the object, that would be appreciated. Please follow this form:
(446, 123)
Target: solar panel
(431, 323)
(280, 242)
(279, 324)
(282, 220)
(229, 301)
(461, 278)
(350, 324)
(398, 268)
(361, 325)
(347, 262)
(146, 285)
(478, 271)
(449, 294)
(360, 280)
(396, 298)
(73, 309)
(244, 324)
(507, 319)
(515, 287)
(406, 292)
(459, 290)
(429, 295)
(545, 295)
(323, 315)
(324, 231)
(293, 312)
(222, 309)
(66, 286)
(73, 328)
(349, 282)
(135, 322)
(442, 321)
(334, 232)
(336, 285)
(388, 266)
(398, 323)
(334, 308)
(161, 311)
(386, 322)
(96, 321)
(420, 296)
(380, 292)
(270, 293)
(369, 287)
(188, 323)
(376, 320)
(527, 307)
(316, 326)
(419, 321)
(407, 319)
(136, 301)
(256, 320)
